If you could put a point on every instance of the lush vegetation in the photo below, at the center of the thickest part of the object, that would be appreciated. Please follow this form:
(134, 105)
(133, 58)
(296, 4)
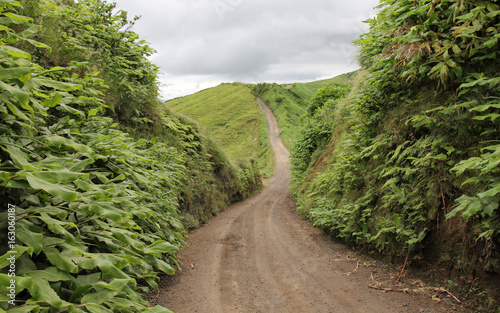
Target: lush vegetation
(289, 102)
(106, 180)
(315, 130)
(211, 181)
(407, 163)
(234, 118)
(286, 106)
(93, 33)
(99, 213)
(305, 90)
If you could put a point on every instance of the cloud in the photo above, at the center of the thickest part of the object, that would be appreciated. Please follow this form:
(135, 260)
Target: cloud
(225, 40)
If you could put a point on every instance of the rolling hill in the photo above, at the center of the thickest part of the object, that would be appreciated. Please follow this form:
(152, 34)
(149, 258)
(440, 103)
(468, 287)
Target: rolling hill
(231, 114)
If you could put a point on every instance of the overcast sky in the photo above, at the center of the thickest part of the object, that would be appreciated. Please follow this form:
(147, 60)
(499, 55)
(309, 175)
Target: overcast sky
(201, 43)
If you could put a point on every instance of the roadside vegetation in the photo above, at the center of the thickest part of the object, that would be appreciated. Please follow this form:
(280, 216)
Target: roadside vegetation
(407, 163)
(104, 180)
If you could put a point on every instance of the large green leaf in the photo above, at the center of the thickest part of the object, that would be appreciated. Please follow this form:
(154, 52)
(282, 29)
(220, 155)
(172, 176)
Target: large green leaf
(114, 288)
(42, 292)
(58, 141)
(51, 274)
(128, 237)
(468, 164)
(79, 165)
(491, 192)
(110, 265)
(14, 109)
(162, 247)
(53, 189)
(25, 309)
(24, 264)
(15, 72)
(53, 102)
(18, 18)
(21, 282)
(20, 250)
(114, 214)
(29, 237)
(121, 304)
(19, 157)
(38, 44)
(17, 93)
(96, 308)
(47, 82)
(79, 292)
(89, 279)
(57, 227)
(54, 211)
(59, 177)
(68, 109)
(60, 261)
(492, 116)
(164, 266)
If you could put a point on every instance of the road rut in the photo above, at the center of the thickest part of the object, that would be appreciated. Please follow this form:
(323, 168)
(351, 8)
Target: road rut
(260, 256)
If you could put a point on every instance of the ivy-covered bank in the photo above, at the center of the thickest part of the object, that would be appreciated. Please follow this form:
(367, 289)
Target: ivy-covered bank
(92, 215)
(408, 162)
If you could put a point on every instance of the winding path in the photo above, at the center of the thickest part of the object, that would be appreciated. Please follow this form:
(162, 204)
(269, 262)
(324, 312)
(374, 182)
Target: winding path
(260, 256)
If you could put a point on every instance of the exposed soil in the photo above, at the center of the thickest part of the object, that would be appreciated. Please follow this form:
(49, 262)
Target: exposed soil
(260, 256)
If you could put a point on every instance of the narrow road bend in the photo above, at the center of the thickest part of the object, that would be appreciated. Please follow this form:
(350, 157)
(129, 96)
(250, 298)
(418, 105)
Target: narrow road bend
(260, 256)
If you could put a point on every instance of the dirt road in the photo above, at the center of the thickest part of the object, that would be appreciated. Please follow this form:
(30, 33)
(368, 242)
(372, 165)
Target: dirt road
(260, 256)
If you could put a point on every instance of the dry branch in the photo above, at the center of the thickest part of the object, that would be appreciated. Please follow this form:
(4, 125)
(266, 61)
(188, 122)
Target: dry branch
(423, 290)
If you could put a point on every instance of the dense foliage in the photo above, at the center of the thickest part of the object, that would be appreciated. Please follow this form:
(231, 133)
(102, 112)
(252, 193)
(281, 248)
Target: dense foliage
(95, 33)
(98, 213)
(315, 129)
(412, 165)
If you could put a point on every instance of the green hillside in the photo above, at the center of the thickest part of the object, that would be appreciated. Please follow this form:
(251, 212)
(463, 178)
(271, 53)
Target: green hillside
(289, 104)
(233, 117)
(286, 106)
(231, 114)
(306, 90)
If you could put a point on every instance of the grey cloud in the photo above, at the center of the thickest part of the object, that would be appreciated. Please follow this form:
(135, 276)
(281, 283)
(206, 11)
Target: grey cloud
(244, 39)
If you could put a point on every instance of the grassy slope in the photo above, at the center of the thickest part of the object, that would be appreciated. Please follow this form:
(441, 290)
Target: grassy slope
(306, 90)
(233, 117)
(286, 106)
(289, 104)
